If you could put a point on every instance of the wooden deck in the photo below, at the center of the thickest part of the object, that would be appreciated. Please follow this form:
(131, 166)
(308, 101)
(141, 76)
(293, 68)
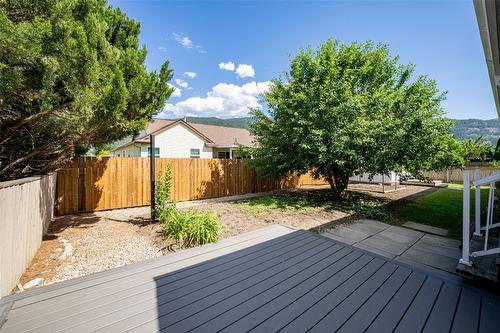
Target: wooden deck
(268, 280)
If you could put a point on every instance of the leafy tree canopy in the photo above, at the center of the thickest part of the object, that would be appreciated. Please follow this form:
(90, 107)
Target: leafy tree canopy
(72, 76)
(347, 109)
(477, 150)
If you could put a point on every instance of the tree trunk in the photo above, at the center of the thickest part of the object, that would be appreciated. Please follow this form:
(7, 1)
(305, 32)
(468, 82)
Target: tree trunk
(337, 179)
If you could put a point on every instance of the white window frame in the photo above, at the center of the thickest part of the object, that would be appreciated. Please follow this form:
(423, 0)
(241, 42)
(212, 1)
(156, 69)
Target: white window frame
(156, 154)
(191, 155)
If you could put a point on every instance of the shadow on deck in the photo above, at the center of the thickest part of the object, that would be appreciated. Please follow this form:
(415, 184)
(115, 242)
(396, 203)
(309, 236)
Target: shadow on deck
(270, 279)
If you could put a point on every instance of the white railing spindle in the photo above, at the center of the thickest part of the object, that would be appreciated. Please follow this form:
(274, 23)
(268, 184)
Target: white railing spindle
(477, 216)
(466, 220)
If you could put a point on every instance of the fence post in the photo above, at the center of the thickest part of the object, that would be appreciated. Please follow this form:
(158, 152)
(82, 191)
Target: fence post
(153, 176)
(477, 215)
(81, 184)
(466, 220)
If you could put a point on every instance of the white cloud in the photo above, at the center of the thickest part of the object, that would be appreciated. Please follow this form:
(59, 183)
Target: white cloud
(224, 100)
(181, 83)
(187, 43)
(227, 66)
(177, 92)
(244, 70)
(162, 48)
(190, 75)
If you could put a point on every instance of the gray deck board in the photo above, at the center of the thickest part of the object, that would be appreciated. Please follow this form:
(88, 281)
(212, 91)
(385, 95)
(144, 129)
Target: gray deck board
(468, 312)
(416, 315)
(174, 286)
(441, 317)
(362, 319)
(272, 279)
(149, 268)
(341, 313)
(196, 311)
(389, 317)
(141, 282)
(195, 255)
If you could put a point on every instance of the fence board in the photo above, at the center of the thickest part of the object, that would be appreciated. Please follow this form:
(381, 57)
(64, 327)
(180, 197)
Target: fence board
(455, 175)
(121, 182)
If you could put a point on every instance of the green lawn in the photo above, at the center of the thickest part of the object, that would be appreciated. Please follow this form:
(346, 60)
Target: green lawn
(461, 186)
(317, 200)
(442, 209)
(286, 202)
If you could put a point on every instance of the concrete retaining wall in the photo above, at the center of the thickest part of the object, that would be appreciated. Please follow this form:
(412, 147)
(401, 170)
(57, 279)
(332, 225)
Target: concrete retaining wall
(26, 209)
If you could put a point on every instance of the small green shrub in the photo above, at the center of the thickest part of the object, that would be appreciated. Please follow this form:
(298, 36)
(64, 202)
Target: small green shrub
(192, 227)
(164, 208)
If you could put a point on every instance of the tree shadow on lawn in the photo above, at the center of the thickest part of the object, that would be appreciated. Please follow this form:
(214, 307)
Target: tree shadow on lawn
(311, 200)
(357, 205)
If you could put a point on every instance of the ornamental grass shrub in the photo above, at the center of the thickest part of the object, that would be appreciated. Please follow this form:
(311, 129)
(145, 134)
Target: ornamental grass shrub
(184, 229)
(192, 227)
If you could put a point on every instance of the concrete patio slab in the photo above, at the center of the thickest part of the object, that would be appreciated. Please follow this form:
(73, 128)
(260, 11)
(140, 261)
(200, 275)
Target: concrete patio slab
(374, 250)
(394, 240)
(426, 228)
(338, 238)
(429, 258)
(411, 246)
(439, 246)
(357, 231)
(349, 233)
(369, 227)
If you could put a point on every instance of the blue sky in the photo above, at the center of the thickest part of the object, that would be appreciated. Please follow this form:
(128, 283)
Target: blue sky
(234, 48)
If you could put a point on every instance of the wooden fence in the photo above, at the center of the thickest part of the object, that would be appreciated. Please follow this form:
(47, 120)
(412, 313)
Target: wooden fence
(26, 207)
(455, 175)
(92, 184)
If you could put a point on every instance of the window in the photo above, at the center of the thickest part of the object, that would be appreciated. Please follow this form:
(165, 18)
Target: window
(157, 151)
(223, 154)
(195, 153)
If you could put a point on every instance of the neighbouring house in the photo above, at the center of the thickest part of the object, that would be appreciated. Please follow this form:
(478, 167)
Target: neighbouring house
(180, 139)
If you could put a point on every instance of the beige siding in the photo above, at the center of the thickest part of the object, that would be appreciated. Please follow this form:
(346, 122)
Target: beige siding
(132, 150)
(26, 207)
(177, 142)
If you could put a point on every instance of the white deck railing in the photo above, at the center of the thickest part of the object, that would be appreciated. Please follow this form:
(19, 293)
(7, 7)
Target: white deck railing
(488, 225)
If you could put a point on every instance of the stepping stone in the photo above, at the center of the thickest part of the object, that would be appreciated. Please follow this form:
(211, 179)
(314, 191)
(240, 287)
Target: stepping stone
(426, 228)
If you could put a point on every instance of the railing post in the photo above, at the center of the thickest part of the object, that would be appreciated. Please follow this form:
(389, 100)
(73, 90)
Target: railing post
(477, 209)
(466, 220)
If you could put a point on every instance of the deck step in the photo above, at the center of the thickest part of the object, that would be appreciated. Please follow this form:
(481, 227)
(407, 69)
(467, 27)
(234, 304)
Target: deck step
(484, 270)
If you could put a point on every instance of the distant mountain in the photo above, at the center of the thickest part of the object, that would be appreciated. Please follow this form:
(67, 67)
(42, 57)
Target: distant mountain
(463, 129)
(474, 128)
(230, 122)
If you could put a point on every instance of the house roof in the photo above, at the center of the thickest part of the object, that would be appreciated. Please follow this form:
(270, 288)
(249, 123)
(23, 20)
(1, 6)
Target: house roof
(488, 19)
(216, 135)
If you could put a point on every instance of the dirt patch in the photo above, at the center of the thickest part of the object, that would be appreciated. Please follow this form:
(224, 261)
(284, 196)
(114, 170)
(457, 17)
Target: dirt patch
(78, 245)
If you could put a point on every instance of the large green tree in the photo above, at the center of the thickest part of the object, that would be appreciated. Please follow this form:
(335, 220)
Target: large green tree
(72, 76)
(477, 150)
(346, 109)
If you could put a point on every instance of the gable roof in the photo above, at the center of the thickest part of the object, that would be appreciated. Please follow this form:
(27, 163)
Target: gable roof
(212, 134)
